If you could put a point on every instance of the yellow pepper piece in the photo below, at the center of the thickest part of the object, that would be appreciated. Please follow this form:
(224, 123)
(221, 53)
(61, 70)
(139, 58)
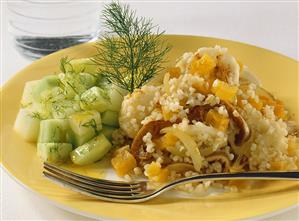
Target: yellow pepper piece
(169, 140)
(162, 176)
(174, 72)
(224, 91)
(153, 169)
(257, 105)
(217, 120)
(202, 66)
(279, 110)
(202, 88)
(123, 162)
(155, 173)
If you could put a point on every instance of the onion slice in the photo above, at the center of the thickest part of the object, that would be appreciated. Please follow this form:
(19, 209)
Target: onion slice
(189, 143)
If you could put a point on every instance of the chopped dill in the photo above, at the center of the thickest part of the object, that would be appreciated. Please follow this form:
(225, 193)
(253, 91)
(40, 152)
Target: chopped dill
(92, 124)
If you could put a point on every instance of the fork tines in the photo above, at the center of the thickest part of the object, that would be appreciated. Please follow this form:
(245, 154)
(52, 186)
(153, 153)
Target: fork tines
(91, 186)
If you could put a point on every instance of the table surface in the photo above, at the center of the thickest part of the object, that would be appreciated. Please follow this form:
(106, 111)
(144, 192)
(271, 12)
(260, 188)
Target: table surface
(272, 25)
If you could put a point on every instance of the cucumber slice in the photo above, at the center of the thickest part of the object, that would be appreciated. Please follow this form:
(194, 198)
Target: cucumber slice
(62, 109)
(81, 65)
(27, 125)
(107, 131)
(116, 95)
(76, 84)
(54, 152)
(41, 110)
(91, 151)
(85, 121)
(110, 118)
(95, 98)
(44, 85)
(88, 80)
(84, 125)
(53, 131)
(27, 97)
(77, 140)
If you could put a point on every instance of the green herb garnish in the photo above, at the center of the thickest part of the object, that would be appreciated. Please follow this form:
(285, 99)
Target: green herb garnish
(91, 124)
(131, 51)
(64, 61)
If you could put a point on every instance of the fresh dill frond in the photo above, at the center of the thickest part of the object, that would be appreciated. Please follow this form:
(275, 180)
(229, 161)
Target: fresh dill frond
(131, 51)
(64, 61)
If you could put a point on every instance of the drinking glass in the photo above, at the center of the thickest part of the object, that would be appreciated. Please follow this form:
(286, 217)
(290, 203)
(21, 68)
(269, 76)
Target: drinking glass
(42, 27)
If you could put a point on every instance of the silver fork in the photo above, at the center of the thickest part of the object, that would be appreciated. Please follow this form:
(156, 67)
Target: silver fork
(135, 192)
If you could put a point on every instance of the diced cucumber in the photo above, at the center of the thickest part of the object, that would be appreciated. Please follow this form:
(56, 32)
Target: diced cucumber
(27, 97)
(84, 125)
(107, 131)
(45, 85)
(77, 140)
(110, 118)
(67, 85)
(95, 98)
(53, 131)
(42, 110)
(91, 151)
(116, 95)
(81, 65)
(62, 109)
(27, 125)
(88, 80)
(76, 84)
(85, 121)
(54, 152)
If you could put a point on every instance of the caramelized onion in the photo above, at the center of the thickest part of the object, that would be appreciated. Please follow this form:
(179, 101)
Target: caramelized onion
(219, 156)
(244, 131)
(152, 127)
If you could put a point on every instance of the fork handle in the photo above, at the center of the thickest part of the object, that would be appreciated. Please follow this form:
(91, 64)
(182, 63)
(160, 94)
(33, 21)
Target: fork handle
(240, 176)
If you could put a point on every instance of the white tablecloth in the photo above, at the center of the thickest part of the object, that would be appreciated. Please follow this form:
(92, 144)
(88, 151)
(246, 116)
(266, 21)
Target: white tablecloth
(270, 25)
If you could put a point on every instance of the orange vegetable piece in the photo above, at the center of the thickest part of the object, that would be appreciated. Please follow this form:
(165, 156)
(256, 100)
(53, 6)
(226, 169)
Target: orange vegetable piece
(257, 105)
(202, 66)
(163, 176)
(279, 109)
(123, 162)
(224, 91)
(155, 173)
(174, 72)
(202, 88)
(169, 140)
(217, 120)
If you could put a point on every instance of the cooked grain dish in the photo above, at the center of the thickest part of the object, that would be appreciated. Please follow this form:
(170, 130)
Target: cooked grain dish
(208, 115)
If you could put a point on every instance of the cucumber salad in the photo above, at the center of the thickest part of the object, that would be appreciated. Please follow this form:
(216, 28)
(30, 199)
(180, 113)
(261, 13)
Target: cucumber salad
(70, 115)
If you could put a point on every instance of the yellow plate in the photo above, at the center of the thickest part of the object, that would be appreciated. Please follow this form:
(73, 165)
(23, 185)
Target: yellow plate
(279, 75)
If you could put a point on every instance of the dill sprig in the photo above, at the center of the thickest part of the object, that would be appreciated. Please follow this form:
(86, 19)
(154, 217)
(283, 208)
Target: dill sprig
(131, 51)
